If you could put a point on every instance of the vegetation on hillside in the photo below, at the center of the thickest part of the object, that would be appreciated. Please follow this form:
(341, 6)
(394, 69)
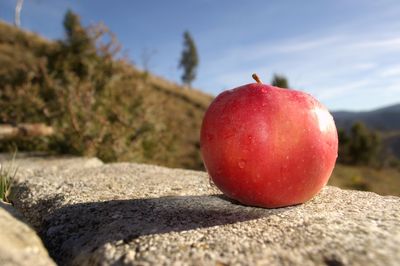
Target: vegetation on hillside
(98, 104)
(364, 163)
(364, 147)
(384, 181)
(360, 146)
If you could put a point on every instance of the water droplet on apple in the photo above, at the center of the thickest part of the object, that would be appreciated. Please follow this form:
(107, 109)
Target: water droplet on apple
(241, 164)
(249, 139)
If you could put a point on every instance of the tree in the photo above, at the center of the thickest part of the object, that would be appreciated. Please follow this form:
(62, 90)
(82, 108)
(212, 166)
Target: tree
(76, 35)
(280, 81)
(364, 145)
(189, 59)
(78, 50)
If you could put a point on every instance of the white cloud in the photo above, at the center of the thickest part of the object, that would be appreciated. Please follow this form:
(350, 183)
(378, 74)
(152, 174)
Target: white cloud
(335, 91)
(392, 71)
(261, 50)
(364, 66)
(329, 67)
(387, 43)
(393, 90)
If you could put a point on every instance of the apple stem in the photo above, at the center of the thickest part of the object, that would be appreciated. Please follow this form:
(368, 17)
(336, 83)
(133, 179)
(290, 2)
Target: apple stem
(257, 78)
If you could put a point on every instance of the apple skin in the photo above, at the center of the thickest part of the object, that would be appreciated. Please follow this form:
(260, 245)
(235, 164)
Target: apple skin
(268, 147)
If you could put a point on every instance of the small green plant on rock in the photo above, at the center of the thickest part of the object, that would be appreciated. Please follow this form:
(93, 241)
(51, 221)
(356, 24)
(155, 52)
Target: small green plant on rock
(7, 173)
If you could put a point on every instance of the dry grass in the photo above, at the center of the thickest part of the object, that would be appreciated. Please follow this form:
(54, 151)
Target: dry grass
(383, 181)
(7, 174)
(116, 113)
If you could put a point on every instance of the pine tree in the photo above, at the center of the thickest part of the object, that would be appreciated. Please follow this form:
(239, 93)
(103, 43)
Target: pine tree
(76, 35)
(189, 59)
(78, 48)
(280, 81)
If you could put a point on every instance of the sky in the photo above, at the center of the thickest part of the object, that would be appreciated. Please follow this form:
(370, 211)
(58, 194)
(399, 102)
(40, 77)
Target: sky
(345, 53)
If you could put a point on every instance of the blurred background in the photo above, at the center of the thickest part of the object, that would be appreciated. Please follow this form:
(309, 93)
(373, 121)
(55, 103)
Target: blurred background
(130, 80)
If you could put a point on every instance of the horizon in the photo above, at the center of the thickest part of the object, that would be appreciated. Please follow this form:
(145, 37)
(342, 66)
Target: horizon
(342, 53)
(366, 110)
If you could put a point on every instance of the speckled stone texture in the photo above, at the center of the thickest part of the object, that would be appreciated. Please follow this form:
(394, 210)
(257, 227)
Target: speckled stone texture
(19, 244)
(134, 214)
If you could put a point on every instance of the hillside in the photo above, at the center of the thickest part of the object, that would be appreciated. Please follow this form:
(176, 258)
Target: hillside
(99, 105)
(381, 181)
(382, 119)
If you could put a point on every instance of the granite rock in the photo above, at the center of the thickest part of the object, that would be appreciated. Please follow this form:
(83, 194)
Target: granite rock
(135, 214)
(31, 162)
(20, 245)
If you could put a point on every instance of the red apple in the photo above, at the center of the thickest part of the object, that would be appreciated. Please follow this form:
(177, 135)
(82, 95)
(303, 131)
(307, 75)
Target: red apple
(269, 147)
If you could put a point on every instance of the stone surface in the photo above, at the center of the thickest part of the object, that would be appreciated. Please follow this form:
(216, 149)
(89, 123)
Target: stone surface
(20, 244)
(136, 214)
(32, 162)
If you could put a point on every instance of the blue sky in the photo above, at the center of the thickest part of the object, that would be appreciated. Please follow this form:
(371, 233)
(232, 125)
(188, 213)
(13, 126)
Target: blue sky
(345, 53)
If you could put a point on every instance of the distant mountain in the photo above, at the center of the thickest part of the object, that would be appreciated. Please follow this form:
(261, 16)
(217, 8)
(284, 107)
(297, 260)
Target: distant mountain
(385, 120)
(382, 119)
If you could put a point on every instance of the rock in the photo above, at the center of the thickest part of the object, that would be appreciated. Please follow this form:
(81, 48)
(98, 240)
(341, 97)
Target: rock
(19, 243)
(133, 214)
(32, 162)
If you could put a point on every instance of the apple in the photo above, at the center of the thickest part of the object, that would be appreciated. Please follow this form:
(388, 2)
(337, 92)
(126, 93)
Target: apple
(268, 147)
